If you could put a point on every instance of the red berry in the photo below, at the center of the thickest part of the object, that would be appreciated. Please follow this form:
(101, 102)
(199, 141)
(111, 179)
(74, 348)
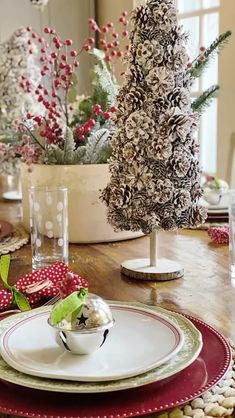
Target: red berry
(115, 35)
(120, 54)
(106, 115)
(29, 28)
(34, 36)
(54, 55)
(125, 33)
(54, 94)
(110, 25)
(42, 134)
(202, 49)
(42, 73)
(46, 92)
(116, 43)
(76, 63)
(37, 91)
(108, 58)
(40, 86)
(113, 53)
(62, 65)
(69, 42)
(30, 51)
(47, 30)
(43, 50)
(104, 29)
(91, 122)
(63, 57)
(87, 47)
(73, 53)
(91, 41)
(40, 39)
(124, 13)
(29, 42)
(87, 129)
(63, 77)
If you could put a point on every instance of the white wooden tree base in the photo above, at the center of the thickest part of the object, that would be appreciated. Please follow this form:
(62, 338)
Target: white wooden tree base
(141, 269)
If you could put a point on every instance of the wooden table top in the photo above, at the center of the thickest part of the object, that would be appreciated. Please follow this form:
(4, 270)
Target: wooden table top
(206, 290)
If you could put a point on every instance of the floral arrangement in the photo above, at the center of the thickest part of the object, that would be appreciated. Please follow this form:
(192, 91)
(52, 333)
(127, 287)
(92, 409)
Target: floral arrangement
(68, 129)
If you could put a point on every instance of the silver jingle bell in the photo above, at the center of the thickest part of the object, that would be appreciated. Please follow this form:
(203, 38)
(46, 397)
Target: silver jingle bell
(88, 331)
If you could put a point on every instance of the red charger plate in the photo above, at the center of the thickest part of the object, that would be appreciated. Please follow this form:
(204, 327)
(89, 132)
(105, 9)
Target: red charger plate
(208, 369)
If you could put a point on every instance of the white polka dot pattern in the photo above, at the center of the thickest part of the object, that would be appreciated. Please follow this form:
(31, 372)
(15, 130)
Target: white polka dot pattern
(53, 274)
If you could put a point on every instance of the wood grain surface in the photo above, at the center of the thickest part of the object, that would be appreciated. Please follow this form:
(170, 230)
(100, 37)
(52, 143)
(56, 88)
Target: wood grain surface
(206, 290)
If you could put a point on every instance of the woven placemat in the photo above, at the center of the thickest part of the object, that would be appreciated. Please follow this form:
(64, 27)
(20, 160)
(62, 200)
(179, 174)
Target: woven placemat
(216, 402)
(16, 240)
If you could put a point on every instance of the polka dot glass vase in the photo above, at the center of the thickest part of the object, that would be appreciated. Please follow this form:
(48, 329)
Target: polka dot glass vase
(48, 225)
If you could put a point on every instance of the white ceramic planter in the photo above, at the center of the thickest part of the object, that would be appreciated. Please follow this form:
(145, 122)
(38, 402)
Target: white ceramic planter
(87, 214)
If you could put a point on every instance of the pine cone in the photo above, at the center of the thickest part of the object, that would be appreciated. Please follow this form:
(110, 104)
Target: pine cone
(142, 17)
(134, 99)
(197, 215)
(179, 97)
(134, 75)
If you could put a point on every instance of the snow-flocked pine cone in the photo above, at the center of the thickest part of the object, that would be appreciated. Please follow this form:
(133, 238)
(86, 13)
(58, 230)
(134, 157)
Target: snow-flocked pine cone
(179, 97)
(134, 98)
(142, 16)
(160, 80)
(197, 215)
(179, 163)
(181, 201)
(134, 74)
(179, 124)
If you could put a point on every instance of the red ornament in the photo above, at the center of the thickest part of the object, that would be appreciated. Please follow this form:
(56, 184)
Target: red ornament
(219, 235)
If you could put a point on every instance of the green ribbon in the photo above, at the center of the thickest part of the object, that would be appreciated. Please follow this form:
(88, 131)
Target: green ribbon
(71, 305)
(18, 298)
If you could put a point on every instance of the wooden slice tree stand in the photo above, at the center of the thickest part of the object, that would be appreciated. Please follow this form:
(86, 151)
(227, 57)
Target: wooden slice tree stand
(153, 268)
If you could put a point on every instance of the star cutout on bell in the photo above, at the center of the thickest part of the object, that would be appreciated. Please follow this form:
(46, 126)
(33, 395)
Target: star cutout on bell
(82, 320)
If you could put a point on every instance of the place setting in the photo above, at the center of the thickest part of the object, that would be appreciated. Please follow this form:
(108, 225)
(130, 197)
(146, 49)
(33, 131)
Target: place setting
(124, 358)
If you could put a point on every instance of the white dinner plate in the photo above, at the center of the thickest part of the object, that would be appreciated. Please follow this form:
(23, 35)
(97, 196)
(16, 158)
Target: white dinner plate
(191, 348)
(140, 340)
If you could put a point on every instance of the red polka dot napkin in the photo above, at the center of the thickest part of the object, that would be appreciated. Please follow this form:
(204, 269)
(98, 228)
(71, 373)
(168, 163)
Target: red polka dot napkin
(36, 286)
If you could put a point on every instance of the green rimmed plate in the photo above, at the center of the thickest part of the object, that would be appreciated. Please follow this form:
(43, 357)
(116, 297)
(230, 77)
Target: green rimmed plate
(191, 348)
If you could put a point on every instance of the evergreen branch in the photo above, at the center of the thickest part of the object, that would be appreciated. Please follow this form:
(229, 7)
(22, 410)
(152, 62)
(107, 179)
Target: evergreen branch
(204, 100)
(200, 65)
(97, 142)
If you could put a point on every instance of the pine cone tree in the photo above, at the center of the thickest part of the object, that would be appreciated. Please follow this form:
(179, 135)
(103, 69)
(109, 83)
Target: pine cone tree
(154, 166)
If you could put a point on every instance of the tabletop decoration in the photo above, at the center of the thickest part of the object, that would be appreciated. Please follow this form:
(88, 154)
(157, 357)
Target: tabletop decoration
(80, 322)
(214, 189)
(155, 174)
(219, 234)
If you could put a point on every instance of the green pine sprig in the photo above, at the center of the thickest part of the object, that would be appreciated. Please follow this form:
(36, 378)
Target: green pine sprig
(200, 65)
(204, 100)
